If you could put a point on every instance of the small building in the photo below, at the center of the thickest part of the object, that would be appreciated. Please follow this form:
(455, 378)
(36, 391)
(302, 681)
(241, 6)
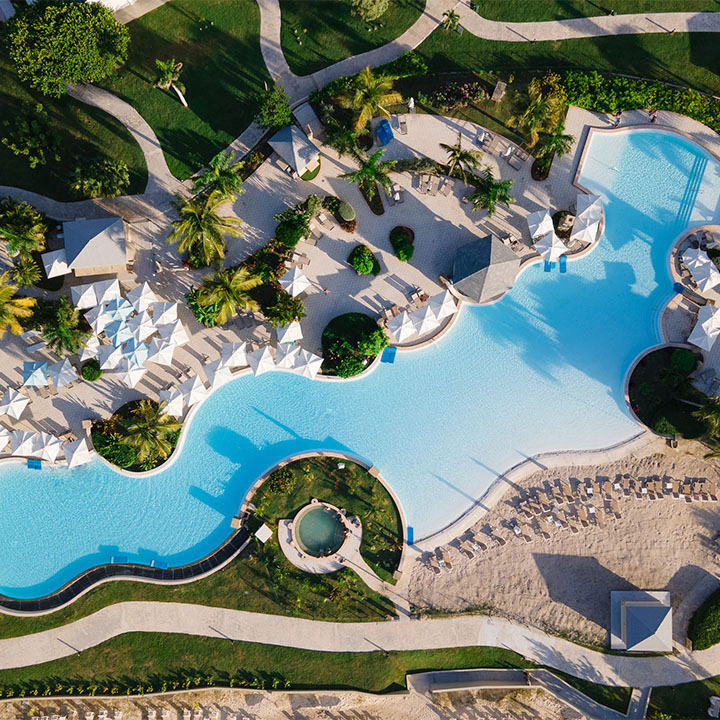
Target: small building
(296, 149)
(484, 269)
(640, 621)
(95, 247)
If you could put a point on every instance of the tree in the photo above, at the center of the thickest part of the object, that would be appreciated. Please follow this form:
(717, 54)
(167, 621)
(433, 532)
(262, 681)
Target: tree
(100, 178)
(286, 309)
(150, 431)
(709, 414)
(26, 273)
(60, 42)
(169, 72)
(369, 96)
(63, 329)
(222, 175)
(542, 112)
(200, 230)
(489, 192)
(12, 308)
(274, 111)
(29, 133)
(461, 161)
(22, 226)
(555, 143)
(450, 20)
(339, 136)
(227, 290)
(371, 172)
(369, 10)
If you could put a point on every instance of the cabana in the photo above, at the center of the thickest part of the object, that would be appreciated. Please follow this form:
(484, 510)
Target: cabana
(296, 149)
(95, 247)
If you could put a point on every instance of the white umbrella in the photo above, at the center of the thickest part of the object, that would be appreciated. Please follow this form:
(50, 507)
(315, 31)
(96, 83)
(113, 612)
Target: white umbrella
(141, 326)
(76, 453)
(702, 269)
(294, 281)
(540, 223)
(289, 333)
(286, 356)
(308, 364)
(174, 333)
(161, 352)
(55, 263)
(48, 446)
(35, 374)
(13, 403)
(233, 354)
(91, 348)
(218, 373)
(164, 313)
(84, 296)
(424, 320)
(142, 297)
(401, 327)
(25, 443)
(109, 356)
(118, 309)
(118, 332)
(5, 436)
(106, 290)
(130, 375)
(174, 402)
(62, 373)
(551, 247)
(442, 304)
(707, 328)
(135, 353)
(97, 319)
(193, 390)
(588, 215)
(588, 205)
(261, 360)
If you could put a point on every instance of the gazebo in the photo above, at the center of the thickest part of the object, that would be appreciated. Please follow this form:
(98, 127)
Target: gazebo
(640, 621)
(484, 269)
(95, 247)
(296, 149)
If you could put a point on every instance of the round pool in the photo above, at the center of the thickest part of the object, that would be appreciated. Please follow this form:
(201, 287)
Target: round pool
(319, 530)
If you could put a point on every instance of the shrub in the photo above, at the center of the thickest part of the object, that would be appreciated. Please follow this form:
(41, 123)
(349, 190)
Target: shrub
(458, 95)
(683, 361)
(349, 366)
(205, 314)
(350, 226)
(113, 449)
(704, 627)
(369, 10)
(91, 370)
(100, 178)
(29, 133)
(663, 426)
(345, 211)
(348, 341)
(363, 261)
(409, 64)
(274, 109)
(282, 481)
(401, 239)
(286, 309)
(291, 232)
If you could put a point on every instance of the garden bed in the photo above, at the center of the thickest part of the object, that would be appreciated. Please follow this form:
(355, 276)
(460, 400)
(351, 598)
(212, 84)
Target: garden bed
(402, 240)
(350, 342)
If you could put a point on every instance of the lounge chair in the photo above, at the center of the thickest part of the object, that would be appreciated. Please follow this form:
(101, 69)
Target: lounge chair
(446, 187)
(402, 124)
(422, 184)
(432, 561)
(514, 162)
(466, 550)
(516, 528)
(583, 516)
(433, 185)
(615, 506)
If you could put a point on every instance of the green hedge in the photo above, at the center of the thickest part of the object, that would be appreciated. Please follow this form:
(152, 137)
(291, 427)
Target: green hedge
(704, 628)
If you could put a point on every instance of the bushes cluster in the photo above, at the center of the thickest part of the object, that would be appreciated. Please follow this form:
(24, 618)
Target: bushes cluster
(346, 216)
(91, 370)
(363, 261)
(285, 309)
(294, 223)
(349, 341)
(458, 95)
(111, 446)
(282, 481)
(401, 239)
(29, 133)
(99, 178)
(204, 313)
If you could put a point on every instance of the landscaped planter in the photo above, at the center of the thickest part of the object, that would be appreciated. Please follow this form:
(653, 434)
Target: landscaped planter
(402, 240)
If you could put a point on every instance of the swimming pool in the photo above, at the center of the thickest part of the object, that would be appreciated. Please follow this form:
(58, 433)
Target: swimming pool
(319, 530)
(541, 370)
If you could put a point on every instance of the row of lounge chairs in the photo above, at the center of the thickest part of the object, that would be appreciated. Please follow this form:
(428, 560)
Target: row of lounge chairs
(417, 299)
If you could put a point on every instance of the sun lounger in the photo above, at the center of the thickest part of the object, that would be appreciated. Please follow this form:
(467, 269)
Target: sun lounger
(433, 186)
(515, 162)
(615, 506)
(446, 187)
(198, 714)
(465, 550)
(165, 714)
(477, 545)
(118, 715)
(583, 516)
(500, 541)
(402, 125)
(516, 529)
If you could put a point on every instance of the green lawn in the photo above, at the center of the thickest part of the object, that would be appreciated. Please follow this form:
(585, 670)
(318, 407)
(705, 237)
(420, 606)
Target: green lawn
(616, 698)
(318, 33)
(84, 132)
(525, 10)
(704, 628)
(223, 71)
(684, 702)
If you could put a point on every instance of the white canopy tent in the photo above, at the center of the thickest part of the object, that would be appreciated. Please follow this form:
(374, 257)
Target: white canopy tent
(174, 402)
(261, 360)
(97, 319)
(174, 333)
(135, 353)
(702, 268)
(289, 333)
(129, 374)
(286, 356)
(13, 403)
(62, 373)
(193, 391)
(141, 326)
(5, 435)
(35, 374)
(707, 328)
(25, 444)
(164, 313)
(84, 296)
(443, 304)
(118, 309)
(142, 297)
(161, 352)
(550, 246)
(234, 354)
(401, 327)
(424, 320)
(76, 453)
(295, 282)
(118, 332)
(540, 223)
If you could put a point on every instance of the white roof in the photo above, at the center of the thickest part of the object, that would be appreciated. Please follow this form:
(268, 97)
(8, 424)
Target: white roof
(286, 356)
(424, 320)
(443, 304)
(95, 243)
(130, 374)
(308, 364)
(261, 360)
(164, 313)
(84, 296)
(62, 373)
(401, 327)
(218, 373)
(142, 297)
(264, 533)
(233, 354)
(48, 446)
(161, 352)
(109, 356)
(550, 246)
(289, 333)
(76, 453)
(174, 402)
(106, 290)
(707, 328)
(194, 390)
(540, 223)
(13, 403)
(294, 147)
(175, 333)
(294, 281)
(55, 263)
(702, 268)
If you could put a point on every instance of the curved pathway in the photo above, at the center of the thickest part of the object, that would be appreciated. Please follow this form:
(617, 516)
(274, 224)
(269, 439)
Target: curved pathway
(461, 631)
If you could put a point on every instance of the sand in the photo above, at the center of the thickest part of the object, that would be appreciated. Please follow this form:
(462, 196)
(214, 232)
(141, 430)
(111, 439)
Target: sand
(563, 585)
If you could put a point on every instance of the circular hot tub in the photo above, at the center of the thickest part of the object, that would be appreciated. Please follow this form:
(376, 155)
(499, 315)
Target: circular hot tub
(319, 530)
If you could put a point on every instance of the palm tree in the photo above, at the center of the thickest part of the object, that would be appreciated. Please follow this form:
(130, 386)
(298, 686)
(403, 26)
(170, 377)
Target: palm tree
(26, 273)
(450, 20)
(12, 308)
(200, 229)
(489, 192)
(169, 77)
(709, 413)
(460, 161)
(22, 226)
(371, 172)
(222, 175)
(369, 97)
(555, 143)
(62, 329)
(149, 431)
(227, 291)
(540, 114)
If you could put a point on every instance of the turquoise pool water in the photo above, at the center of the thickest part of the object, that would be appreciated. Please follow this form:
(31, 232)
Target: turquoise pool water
(541, 370)
(319, 531)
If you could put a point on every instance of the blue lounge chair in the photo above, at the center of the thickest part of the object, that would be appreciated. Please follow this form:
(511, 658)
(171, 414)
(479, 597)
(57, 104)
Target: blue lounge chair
(384, 132)
(388, 355)
(548, 266)
(34, 464)
(563, 263)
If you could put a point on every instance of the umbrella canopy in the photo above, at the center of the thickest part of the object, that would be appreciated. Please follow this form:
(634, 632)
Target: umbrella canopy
(97, 319)
(550, 246)
(161, 352)
(76, 453)
(289, 333)
(174, 402)
(35, 373)
(118, 332)
(25, 443)
(48, 447)
(135, 353)
(442, 304)
(13, 403)
(424, 320)
(233, 354)
(401, 327)
(84, 296)
(142, 297)
(587, 218)
(193, 390)
(174, 333)
(540, 223)
(308, 364)
(62, 373)
(118, 309)
(106, 290)
(141, 326)
(164, 313)
(5, 436)
(707, 328)
(109, 356)
(91, 348)
(295, 282)
(130, 375)
(702, 268)
(218, 373)
(261, 360)
(286, 356)
(589, 206)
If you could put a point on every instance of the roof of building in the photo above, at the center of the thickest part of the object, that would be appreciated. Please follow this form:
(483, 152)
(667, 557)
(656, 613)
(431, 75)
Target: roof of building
(95, 243)
(294, 147)
(641, 621)
(484, 269)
